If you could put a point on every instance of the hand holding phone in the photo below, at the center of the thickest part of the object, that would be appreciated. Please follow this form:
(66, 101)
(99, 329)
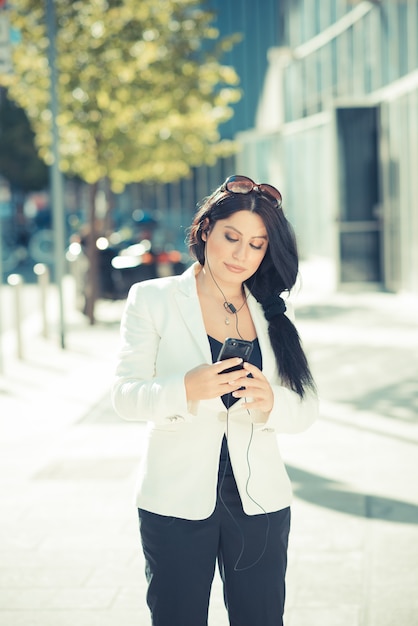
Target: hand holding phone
(202, 384)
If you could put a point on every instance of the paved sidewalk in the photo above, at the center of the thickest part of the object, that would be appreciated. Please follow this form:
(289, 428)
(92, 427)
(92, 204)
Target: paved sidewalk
(69, 548)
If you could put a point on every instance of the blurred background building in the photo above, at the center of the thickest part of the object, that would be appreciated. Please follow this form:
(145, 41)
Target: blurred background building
(329, 115)
(337, 128)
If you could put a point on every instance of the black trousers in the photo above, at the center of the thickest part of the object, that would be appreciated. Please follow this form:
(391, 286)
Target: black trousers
(181, 556)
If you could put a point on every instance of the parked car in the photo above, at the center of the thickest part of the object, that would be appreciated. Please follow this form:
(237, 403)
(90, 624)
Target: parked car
(121, 263)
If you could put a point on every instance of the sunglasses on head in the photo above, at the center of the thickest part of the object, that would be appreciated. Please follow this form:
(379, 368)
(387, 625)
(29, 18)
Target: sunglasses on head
(244, 185)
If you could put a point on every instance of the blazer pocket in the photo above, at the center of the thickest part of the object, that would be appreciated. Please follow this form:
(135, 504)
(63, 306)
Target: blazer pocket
(172, 423)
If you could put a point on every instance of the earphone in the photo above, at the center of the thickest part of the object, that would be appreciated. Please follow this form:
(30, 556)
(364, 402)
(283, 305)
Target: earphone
(232, 309)
(263, 511)
(227, 305)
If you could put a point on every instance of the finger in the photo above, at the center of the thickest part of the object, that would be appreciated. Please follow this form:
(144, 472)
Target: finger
(249, 382)
(252, 369)
(228, 363)
(233, 373)
(238, 376)
(252, 387)
(230, 381)
(246, 390)
(257, 403)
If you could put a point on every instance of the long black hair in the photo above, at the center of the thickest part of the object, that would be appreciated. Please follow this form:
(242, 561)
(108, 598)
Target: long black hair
(276, 274)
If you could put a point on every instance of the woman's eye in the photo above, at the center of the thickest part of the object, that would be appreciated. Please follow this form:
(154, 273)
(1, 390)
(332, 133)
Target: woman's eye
(256, 247)
(229, 238)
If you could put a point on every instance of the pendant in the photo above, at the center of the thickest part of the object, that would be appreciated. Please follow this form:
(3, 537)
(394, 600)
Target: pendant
(226, 321)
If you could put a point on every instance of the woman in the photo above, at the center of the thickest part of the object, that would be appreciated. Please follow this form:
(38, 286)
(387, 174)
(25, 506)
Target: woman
(212, 485)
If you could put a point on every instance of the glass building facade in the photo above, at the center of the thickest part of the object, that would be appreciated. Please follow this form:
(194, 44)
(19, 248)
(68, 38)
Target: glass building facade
(329, 115)
(337, 130)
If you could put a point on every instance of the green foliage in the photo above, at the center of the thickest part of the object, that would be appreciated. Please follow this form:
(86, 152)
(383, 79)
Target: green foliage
(142, 90)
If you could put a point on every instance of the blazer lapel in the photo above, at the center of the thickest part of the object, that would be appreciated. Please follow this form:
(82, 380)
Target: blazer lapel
(189, 308)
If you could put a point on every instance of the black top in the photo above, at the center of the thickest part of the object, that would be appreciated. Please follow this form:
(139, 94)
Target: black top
(228, 399)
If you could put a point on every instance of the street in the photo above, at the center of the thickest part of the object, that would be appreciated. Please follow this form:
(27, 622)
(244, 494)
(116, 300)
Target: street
(70, 551)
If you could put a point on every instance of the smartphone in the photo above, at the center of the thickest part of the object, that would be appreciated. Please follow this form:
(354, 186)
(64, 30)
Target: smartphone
(235, 347)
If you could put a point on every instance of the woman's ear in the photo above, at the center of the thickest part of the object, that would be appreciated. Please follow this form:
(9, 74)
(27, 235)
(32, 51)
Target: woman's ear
(204, 227)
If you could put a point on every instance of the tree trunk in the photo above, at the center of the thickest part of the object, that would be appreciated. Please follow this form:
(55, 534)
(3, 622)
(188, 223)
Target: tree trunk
(92, 256)
(110, 204)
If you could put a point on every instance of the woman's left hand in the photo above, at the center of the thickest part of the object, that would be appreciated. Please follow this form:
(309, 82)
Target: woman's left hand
(257, 387)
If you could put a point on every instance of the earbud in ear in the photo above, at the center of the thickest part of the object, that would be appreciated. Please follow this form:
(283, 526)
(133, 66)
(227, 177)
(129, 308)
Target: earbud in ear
(204, 227)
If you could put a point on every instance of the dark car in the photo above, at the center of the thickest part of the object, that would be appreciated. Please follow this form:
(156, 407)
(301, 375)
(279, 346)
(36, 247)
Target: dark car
(123, 263)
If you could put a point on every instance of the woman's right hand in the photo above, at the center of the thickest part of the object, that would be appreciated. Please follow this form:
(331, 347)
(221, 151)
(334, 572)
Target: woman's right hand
(207, 381)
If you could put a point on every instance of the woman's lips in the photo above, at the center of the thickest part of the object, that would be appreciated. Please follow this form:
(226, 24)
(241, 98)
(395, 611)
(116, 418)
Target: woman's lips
(234, 268)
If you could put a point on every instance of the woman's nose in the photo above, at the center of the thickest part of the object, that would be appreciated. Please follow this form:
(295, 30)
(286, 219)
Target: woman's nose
(239, 251)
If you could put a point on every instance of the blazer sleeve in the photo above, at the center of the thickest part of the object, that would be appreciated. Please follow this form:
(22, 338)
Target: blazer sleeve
(137, 393)
(291, 413)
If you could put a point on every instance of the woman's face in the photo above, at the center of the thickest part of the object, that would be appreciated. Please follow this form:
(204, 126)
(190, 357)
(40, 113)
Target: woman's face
(236, 246)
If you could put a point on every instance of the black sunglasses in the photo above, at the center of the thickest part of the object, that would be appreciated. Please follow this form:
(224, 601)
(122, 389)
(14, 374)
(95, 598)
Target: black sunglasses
(244, 185)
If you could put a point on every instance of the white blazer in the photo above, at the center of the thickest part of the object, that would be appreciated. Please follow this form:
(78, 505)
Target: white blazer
(163, 337)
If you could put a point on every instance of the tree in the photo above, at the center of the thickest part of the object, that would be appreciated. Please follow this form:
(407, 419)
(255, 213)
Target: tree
(142, 90)
(141, 93)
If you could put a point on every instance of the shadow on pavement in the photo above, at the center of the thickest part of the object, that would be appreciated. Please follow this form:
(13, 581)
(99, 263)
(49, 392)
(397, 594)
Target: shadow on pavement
(333, 495)
(394, 401)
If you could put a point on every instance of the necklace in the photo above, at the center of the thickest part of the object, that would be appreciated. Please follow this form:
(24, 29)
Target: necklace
(229, 307)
